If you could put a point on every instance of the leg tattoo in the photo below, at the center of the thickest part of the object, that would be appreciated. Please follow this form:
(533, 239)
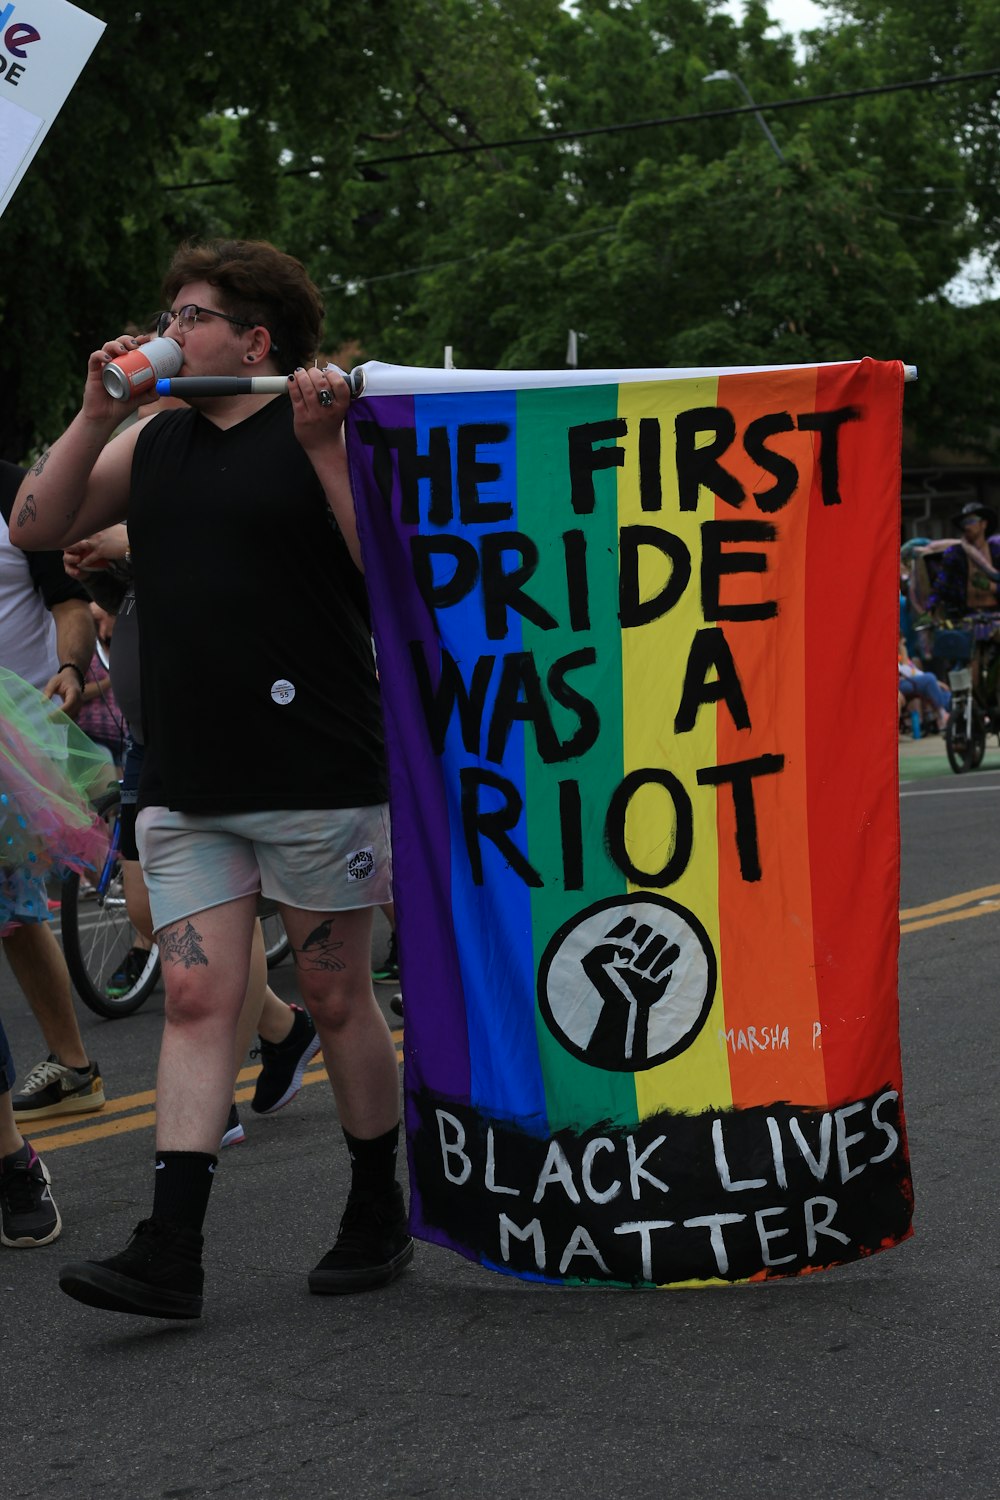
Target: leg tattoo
(319, 951)
(179, 947)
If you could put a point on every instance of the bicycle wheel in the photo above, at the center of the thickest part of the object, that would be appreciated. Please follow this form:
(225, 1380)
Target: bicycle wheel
(97, 934)
(978, 745)
(276, 944)
(965, 750)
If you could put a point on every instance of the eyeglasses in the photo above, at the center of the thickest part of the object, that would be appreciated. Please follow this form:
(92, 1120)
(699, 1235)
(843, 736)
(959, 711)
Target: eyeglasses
(186, 317)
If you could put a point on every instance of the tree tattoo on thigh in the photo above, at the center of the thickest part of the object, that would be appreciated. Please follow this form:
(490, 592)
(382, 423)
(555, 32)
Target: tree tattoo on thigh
(319, 951)
(177, 947)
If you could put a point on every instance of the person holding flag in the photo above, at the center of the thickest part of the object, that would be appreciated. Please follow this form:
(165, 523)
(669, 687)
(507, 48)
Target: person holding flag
(284, 791)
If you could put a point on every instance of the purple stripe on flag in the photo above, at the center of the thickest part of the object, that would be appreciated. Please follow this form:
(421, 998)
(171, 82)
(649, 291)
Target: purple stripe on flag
(436, 1035)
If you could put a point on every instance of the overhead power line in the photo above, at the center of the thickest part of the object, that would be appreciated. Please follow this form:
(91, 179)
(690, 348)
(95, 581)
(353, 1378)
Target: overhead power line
(547, 137)
(709, 114)
(346, 282)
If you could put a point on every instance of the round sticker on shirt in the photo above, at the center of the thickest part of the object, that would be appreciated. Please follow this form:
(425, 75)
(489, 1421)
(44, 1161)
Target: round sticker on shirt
(282, 691)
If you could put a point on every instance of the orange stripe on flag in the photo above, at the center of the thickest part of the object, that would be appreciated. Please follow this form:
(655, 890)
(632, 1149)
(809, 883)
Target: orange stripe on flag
(772, 1009)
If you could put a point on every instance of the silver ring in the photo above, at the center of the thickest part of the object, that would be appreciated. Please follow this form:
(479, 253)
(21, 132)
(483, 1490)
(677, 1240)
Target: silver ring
(326, 398)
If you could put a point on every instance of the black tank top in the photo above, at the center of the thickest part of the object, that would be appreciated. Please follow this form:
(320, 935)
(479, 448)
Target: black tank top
(258, 680)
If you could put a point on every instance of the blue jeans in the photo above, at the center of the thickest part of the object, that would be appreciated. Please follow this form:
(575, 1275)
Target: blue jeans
(925, 685)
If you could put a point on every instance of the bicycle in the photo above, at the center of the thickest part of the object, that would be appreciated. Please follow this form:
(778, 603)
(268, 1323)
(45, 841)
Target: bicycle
(276, 944)
(975, 689)
(97, 932)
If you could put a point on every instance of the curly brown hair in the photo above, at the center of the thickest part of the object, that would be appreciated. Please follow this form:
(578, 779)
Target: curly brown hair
(260, 283)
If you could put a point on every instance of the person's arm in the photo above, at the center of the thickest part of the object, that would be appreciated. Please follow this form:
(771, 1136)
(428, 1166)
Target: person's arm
(75, 636)
(983, 563)
(96, 687)
(320, 430)
(94, 553)
(81, 484)
(102, 563)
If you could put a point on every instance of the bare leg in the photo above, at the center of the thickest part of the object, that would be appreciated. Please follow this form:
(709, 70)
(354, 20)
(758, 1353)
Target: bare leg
(11, 1139)
(275, 1018)
(137, 903)
(262, 1011)
(41, 971)
(206, 964)
(333, 962)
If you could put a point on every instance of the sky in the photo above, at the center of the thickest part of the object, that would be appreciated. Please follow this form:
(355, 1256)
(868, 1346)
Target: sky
(791, 15)
(796, 15)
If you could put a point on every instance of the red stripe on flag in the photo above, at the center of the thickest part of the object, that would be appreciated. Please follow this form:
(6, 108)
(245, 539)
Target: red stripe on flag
(852, 624)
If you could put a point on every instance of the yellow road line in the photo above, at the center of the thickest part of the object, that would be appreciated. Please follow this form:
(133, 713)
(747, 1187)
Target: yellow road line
(985, 910)
(950, 902)
(95, 1130)
(80, 1129)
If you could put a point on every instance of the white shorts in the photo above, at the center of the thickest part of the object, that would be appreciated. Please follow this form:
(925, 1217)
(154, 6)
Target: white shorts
(333, 859)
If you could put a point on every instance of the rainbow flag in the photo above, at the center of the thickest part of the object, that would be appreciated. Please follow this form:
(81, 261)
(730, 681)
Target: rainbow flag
(637, 644)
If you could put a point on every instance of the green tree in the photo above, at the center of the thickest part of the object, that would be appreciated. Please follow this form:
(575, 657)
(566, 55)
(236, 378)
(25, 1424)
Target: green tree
(170, 89)
(685, 243)
(937, 153)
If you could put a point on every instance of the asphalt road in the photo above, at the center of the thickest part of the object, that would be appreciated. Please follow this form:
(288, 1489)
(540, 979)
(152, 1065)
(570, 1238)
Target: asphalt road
(876, 1379)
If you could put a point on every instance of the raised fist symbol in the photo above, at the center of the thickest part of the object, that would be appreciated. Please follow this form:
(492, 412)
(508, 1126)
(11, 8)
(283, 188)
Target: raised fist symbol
(628, 983)
(631, 971)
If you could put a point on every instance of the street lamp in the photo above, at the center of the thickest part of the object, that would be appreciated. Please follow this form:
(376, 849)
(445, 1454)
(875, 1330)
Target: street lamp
(725, 76)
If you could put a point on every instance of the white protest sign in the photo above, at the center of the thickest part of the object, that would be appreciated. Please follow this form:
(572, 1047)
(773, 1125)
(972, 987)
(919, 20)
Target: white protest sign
(44, 45)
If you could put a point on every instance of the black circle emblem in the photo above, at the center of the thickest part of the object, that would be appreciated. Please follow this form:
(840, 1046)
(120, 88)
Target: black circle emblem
(628, 983)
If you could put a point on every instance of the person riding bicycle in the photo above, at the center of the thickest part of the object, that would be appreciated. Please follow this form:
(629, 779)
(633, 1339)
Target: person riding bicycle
(969, 576)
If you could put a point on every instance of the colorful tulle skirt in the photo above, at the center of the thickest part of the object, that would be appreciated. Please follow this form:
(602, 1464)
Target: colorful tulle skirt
(50, 776)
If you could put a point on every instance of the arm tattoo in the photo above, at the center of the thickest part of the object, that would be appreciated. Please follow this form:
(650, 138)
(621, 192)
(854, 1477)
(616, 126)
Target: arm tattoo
(28, 511)
(37, 468)
(319, 951)
(179, 947)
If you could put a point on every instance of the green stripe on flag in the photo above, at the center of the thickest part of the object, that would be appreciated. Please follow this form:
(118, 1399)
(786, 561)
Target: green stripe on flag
(576, 1094)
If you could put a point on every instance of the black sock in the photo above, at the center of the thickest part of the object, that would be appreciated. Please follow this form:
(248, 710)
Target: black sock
(181, 1185)
(373, 1163)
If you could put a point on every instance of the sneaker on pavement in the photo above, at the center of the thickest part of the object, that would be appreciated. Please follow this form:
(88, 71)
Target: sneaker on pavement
(396, 1006)
(282, 1064)
(127, 974)
(53, 1089)
(158, 1273)
(28, 1214)
(234, 1134)
(388, 971)
(372, 1248)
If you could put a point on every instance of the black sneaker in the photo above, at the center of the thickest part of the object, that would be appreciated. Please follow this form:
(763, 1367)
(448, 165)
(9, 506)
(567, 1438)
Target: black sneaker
(396, 1006)
(234, 1134)
(53, 1089)
(282, 1064)
(388, 973)
(127, 974)
(158, 1274)
(373, 1246)
(28, 1214)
